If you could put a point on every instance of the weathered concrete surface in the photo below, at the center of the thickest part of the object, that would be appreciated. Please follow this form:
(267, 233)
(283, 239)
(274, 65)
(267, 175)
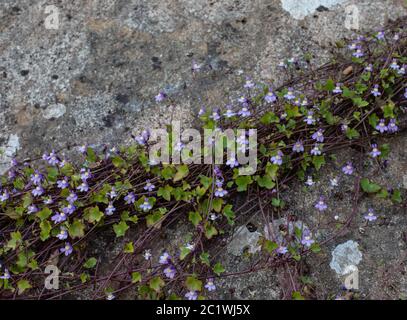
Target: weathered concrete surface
(94, 80)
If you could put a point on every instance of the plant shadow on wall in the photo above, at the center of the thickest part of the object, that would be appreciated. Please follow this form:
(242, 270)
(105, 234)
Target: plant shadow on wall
(53, 212)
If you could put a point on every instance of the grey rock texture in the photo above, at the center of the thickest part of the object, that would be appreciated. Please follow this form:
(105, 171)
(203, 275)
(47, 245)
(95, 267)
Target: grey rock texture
(93, 80)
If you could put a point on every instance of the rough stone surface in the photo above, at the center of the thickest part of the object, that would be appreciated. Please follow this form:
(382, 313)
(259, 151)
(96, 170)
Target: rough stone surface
(244, 239)
(94, 80)
(344, 256)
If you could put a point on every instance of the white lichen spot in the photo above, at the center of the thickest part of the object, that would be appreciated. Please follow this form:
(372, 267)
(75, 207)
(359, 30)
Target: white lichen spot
(299, 9)
(345, 256)
(244, 239)
(8, 151)
(54, 111)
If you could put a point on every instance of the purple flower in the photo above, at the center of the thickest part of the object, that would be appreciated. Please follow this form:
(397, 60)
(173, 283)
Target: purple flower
(309, 181)
(36, 178)
(348, 169)
(6, 275)
(67, 249)
(83, 187)
(195, 67)
(402, 70)
(201, 111)
(316, 150)
(405, 94)
(232, 162)
(170, 272)
(147, 254)
(63, 184)
(375, 151)
(277, 159)
(37, 191)
(146, 206)
(191, 295)
(318, 135)
(369, 68)
(310, 118)
(381, 126)
(85, 174)
(69, 209)
(249, 84)
(370, 216)
(63, 234)
(337, 88)
(210, 285)
(229, 112)
(290, 94)
(220, 192)
(32, 209)
(244, 112)
(394, 65)
(307, 239)
(51, 158)
(376, 91)
(130, 198)
(243, 100)
(83, 149)
(72, 198)
(380, 35)
(392, 126)
(215, 115)
(149, 186)
(4, 196)
(160, 97)
(353, 46)
(282, 250)
(59, 217)
(321, 205)
(112, 194)
(110, 209)
(165, 258)
(298, 147)
(143, 138)
(358, 53)
(270, 97)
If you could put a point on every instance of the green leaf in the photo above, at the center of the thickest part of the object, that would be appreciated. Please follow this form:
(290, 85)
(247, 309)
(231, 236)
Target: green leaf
(242, 182)
(182, 172)
(135, 277)
(318, 161)
(184, 252)
(77, 229)
(165, 192)
(90, 263)
(91, 155)
(15, 240)
(217, 204)
(352, 133)
(204, 257)
(210, 231)
(218, 269)
(396, 196)
(193, 284)
(120, 229)
(93, 215)
(315, 248)
(119, 162)
(270, 246)
(44, 214)
(156, 284)
(128, 248)
(269, 117)
(23, 285)
(297, 296)
(266, 182)
(368, 186)
(45, 227)
(329, 85)
(229, 214)
(195, 218)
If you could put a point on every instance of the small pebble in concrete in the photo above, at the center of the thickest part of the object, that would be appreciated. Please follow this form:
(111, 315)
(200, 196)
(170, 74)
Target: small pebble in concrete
(54, 111)
(244, 239)
(299, 9)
